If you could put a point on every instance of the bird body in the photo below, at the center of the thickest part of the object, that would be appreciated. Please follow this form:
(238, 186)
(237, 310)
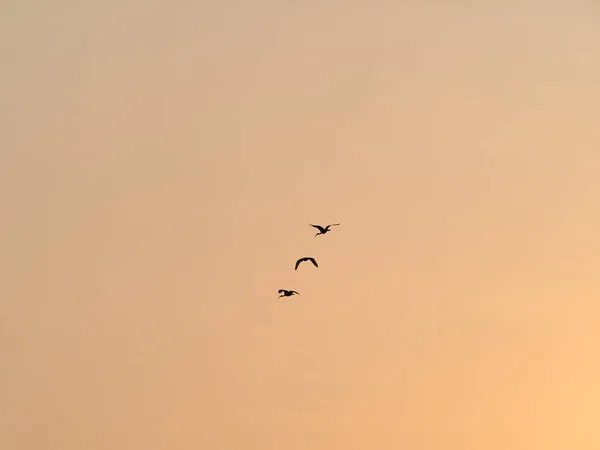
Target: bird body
(323, 230)
(286, 293)
(306, 258)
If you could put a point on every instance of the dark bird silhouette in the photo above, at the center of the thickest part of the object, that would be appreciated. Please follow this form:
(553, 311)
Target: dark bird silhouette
(323, 230)
(306, 258)
(285, 293)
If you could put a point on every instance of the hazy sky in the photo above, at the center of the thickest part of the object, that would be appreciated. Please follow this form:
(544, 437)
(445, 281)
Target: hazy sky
(160, 163)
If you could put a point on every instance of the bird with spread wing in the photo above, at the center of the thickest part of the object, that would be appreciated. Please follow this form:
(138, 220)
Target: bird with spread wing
(306, 258)
(323, 230)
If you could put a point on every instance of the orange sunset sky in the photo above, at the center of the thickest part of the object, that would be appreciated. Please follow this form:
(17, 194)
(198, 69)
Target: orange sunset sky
(160, 162)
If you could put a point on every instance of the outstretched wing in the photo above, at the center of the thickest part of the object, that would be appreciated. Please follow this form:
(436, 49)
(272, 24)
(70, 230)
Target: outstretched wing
(318, 227)
(294, 292)
(333, 224)
(298, 263)
(313, 261)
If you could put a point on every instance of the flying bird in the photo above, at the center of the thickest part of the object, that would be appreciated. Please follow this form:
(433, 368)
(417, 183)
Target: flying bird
(285, 293)
(306, 258)
(323, 230)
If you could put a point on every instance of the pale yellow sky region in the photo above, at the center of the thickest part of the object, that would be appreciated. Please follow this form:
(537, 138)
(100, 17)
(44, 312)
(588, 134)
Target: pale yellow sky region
(160, 163)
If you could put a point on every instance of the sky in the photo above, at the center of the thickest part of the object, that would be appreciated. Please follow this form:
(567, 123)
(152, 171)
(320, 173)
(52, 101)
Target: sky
(160, 163)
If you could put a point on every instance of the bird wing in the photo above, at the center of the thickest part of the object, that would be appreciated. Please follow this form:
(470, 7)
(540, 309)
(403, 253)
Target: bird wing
(318, 227)
(313, 261)
(333, 224)
(294, 292)
(298, 263)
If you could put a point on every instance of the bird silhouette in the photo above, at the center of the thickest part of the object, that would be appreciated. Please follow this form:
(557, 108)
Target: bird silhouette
(323, 230)
(285, 293)
(306, 258)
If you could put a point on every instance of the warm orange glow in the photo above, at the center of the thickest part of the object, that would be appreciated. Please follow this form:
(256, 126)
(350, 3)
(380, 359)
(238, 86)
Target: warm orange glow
(160, 164)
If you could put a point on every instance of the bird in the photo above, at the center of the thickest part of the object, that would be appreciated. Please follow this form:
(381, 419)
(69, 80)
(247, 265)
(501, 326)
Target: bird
(323, 230)
(285, 293)
(306, 258)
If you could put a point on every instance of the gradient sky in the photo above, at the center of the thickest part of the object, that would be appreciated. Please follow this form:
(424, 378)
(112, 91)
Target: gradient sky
(160, 163)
